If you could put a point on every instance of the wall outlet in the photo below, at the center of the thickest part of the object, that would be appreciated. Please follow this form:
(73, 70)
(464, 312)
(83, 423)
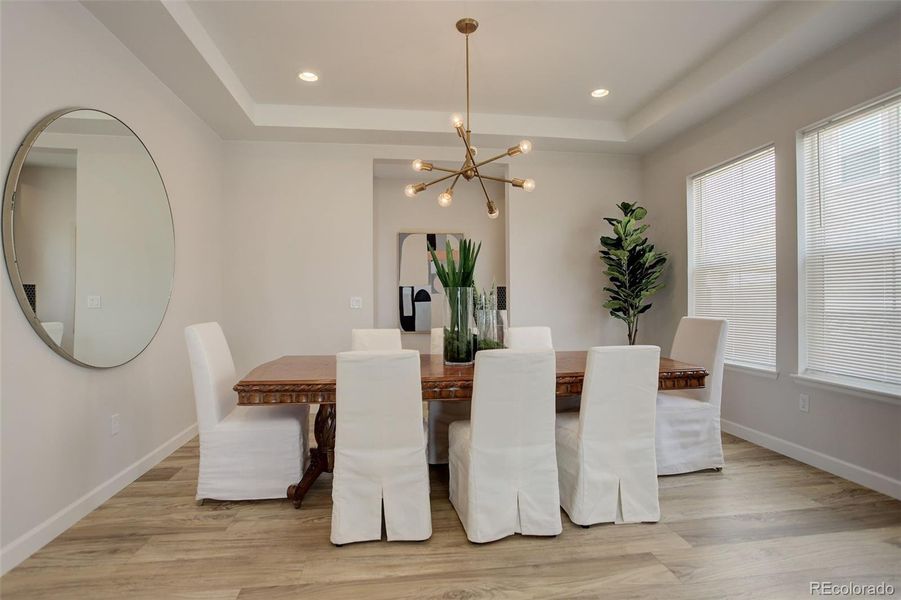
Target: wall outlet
(356, 302)
(94, 302)
(114, 424)
(804, 403)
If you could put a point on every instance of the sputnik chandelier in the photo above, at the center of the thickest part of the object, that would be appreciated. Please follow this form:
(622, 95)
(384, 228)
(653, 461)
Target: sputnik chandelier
(470, 168)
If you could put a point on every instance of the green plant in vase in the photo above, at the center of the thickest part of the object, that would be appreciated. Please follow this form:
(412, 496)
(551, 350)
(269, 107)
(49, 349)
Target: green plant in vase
(633, 265)
(457, 279)
(488, 322)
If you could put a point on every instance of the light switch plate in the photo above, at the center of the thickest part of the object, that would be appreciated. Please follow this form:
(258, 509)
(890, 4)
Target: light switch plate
(804, 403)
(114, 424)
(94, 302)
(356, 302)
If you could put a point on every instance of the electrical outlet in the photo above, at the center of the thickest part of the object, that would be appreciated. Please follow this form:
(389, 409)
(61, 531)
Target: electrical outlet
(804, 403)
(356, 302)
(94, 302)
(114, 424)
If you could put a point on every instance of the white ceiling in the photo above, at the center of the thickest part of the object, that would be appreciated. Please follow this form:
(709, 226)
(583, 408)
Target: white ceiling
(392, 72)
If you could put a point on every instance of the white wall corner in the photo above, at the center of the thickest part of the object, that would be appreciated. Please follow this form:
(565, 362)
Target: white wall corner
(860, 475)
(30, 542)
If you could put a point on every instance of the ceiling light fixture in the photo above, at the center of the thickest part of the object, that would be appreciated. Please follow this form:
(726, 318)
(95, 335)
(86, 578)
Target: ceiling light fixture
(599, 93)
(308, 76)
(470, 168)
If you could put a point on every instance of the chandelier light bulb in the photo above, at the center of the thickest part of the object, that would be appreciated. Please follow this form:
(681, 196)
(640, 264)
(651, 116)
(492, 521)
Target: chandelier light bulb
(525, 146)
(421, 165)
(445, 198)
(528, 185)
(457, 120)
(474, 150)
(410, 191)
(493, 212)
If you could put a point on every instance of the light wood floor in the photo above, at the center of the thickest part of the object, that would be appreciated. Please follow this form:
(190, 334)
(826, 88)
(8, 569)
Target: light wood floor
(763, 528)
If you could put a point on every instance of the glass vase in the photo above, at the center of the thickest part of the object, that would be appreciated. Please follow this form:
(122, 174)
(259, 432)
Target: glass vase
(490, 326)
(459, 330)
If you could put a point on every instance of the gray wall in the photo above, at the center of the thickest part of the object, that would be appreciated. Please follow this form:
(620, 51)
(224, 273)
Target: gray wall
(855, 436)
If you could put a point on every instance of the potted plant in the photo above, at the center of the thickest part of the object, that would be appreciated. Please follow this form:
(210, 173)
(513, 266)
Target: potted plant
(457, 280)
(633, 266)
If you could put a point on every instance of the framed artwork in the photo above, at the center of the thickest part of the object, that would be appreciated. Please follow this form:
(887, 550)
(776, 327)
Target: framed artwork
(418, 289)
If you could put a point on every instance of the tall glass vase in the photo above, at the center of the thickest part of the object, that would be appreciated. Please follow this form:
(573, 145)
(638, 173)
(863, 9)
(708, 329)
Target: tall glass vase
(459, 329)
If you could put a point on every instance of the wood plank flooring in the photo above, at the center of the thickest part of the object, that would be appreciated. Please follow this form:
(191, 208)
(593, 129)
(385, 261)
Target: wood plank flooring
(763, 528)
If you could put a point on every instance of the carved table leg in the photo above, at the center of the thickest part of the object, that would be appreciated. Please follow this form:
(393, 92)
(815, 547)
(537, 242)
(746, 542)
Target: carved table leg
(322, 457)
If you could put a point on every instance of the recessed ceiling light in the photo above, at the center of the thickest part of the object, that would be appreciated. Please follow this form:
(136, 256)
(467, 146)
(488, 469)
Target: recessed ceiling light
(599, 93)
(308, 76)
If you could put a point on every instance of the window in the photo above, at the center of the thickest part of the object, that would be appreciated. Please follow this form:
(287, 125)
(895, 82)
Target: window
(732, 254)
(850, 247)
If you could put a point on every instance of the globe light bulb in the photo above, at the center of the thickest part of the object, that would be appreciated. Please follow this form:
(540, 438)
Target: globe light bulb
(525, 146)
(410, 191)
(445, 198)
(528, 185)
(474, 150)
(457, 120)
(495, 213)
(417, 164)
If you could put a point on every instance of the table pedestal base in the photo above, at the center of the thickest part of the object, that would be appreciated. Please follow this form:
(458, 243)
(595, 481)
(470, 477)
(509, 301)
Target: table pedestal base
(322, 457)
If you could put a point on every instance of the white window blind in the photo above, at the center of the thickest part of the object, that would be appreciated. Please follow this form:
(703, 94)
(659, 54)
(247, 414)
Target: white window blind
(850, 234)
(732, 247)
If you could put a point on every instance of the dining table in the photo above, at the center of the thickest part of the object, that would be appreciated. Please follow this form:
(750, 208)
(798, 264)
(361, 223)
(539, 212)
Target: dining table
(311, 380)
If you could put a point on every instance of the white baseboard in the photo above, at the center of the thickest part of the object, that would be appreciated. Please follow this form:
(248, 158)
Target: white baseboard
(35, 539)
(836, 466)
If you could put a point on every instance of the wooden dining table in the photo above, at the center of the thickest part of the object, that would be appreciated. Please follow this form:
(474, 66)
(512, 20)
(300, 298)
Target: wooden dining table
(311, 380)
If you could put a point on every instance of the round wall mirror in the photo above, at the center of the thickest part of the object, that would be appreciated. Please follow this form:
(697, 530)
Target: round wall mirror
(88, 237)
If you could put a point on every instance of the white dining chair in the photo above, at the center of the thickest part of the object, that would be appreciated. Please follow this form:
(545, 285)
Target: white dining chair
(442, 414)
(688, 421)
(503, 465)
(528, 338)
(605, 452)
(436, 341)
(375, 339)
(246, 452)
(379, 449)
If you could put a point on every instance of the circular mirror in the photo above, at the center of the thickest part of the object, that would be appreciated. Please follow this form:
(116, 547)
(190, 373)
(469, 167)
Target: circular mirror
(88, 237)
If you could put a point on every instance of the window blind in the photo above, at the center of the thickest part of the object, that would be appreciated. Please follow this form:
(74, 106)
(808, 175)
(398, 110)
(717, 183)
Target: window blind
(850, 236)
(732, 251)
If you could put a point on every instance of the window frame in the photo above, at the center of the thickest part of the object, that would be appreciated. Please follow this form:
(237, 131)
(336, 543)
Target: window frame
(870, 389)
(732, 365)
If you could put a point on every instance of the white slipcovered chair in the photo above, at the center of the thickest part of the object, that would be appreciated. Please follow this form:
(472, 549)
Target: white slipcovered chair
(605, 452)
(442, 414)
(688, 421)
(532, 338)
(379, 449)
(246, 452)
(503, 465)
(375, 339)
(528, 338)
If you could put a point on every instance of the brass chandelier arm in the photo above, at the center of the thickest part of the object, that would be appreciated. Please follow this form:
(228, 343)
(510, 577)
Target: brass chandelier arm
(501, 179)
(475, 169)
(440, 179)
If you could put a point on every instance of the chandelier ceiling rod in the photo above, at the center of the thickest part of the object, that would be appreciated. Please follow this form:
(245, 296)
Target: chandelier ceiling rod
(470, 168)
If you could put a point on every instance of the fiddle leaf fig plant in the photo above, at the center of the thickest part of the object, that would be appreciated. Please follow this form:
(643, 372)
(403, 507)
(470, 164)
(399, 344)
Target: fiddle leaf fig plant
(634, 267)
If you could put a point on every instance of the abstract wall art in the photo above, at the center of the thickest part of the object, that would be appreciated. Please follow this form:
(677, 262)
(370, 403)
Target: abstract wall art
(419, 291)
